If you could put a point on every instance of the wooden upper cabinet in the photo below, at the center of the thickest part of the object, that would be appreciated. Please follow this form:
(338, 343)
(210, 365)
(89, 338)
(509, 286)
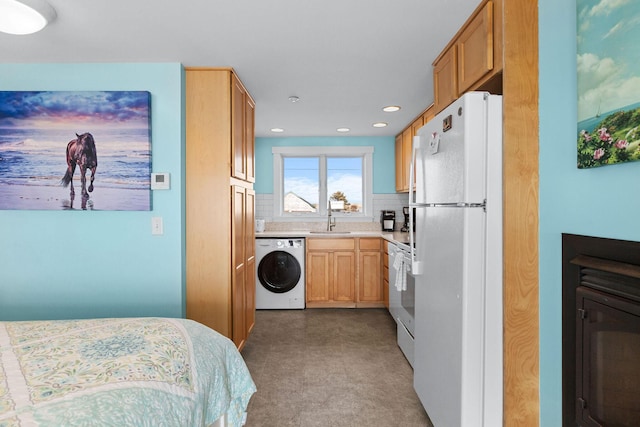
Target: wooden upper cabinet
(445, 78)
(238, 164)
(407, 141)
(403, 160)
(415, 127)
(472, 60)
(475, 48)
(249, 120)
(404, 145)
(428, 114)
(399, 164)
(242, 132)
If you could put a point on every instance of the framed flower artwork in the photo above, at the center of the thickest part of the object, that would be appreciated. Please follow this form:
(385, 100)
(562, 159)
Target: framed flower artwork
(608, 82)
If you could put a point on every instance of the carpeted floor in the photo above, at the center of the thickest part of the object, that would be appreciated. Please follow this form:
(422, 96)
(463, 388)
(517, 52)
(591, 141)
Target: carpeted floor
(329, 367)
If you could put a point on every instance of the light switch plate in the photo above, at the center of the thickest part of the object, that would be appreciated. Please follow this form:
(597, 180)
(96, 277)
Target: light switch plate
(160, 181)
(157, 228)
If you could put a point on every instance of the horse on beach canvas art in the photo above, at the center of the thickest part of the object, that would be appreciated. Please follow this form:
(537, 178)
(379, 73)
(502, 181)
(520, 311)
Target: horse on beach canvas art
(81, 152)
(46, 136)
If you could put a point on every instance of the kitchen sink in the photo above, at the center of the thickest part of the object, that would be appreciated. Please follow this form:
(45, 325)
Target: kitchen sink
(330, 232)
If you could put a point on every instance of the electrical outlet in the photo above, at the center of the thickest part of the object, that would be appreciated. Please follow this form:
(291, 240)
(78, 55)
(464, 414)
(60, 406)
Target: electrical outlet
(157, 228)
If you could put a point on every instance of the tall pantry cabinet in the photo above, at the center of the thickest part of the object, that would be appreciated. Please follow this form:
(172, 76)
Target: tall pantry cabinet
(220, 248)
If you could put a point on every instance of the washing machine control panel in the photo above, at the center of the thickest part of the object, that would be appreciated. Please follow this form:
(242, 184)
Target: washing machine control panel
(289, 243)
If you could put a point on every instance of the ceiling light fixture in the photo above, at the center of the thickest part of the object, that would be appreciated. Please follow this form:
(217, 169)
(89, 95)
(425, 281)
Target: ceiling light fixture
(25, 16)
(343, 129)
(379, 124)
(277, 130)
(391, 108)
(294, 99)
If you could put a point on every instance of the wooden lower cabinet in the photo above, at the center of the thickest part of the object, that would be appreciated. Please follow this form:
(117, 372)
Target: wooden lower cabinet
(250, 297)
(385, 274)
(239, 334)
(318, 277)
(243, 258)
(331, 272)
(344, 272)
(343, 280)
(370, 253)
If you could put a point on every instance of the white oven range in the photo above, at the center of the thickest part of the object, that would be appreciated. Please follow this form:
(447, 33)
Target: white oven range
(402, 296)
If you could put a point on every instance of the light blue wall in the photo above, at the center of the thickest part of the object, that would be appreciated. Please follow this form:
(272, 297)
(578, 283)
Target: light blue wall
(599, 202)
(75, 264)
(384, 165)
(86, 264)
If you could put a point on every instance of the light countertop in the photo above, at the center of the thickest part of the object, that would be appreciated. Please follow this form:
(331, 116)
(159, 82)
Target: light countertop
(396, 236)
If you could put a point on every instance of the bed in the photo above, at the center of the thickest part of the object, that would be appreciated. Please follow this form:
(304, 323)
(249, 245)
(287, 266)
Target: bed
(120, 372)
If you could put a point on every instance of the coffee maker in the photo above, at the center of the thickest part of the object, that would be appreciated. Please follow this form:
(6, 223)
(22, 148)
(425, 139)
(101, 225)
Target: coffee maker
(407, 226)
(387, 219)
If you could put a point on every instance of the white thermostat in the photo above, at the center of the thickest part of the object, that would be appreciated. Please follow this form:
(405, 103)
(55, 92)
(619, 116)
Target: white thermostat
(160, 181)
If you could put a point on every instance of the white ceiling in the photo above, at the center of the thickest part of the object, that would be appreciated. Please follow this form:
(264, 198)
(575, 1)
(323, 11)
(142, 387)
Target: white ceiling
(344, 59)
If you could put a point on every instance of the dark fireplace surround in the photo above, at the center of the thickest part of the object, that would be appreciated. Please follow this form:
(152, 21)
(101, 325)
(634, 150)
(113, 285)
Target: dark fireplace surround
(600, 331)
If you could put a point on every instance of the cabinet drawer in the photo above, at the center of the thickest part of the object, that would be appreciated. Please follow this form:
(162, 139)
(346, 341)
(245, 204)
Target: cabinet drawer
(331, 244)
(370, 244)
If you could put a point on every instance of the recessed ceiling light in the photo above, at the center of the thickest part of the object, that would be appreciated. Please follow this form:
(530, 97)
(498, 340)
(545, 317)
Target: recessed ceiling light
(379, 125)
(343, 129)
(294, 99)
(277, 130)
(391, 108)
(25, 16)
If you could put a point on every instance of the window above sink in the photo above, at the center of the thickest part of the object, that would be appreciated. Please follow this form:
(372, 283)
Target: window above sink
(306, 177)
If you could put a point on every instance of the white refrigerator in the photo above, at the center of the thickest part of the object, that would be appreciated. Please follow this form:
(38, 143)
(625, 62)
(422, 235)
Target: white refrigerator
(458, 258)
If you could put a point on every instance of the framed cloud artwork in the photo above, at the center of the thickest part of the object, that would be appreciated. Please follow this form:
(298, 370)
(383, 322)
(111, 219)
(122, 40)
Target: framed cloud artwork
(608, 82)
(75, 150)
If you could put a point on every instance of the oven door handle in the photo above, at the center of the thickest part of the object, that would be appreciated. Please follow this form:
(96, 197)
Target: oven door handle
(408, 263)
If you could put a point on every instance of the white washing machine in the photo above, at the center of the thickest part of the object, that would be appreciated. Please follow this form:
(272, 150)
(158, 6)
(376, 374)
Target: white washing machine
(280, 280)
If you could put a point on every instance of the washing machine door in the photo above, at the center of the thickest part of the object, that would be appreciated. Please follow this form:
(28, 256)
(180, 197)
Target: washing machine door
(279, 272)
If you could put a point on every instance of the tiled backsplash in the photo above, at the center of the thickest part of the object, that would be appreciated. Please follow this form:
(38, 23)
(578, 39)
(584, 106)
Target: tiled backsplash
(389, 202)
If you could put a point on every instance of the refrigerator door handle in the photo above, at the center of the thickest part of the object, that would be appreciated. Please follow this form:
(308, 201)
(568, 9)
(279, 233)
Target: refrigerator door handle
(458, 205)
(416, 266)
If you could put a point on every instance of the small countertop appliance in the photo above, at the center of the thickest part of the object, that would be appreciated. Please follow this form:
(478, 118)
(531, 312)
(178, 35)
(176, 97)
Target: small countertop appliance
(388, 219)
(406, 226)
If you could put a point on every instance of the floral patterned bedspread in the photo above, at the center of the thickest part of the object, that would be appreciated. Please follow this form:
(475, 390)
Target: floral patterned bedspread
(119, 372)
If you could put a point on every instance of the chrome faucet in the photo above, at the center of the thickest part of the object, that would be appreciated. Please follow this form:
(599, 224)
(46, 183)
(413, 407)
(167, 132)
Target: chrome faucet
(330, 221)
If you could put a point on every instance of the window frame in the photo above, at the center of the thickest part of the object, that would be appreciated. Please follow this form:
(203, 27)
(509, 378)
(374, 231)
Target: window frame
(365, 152)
